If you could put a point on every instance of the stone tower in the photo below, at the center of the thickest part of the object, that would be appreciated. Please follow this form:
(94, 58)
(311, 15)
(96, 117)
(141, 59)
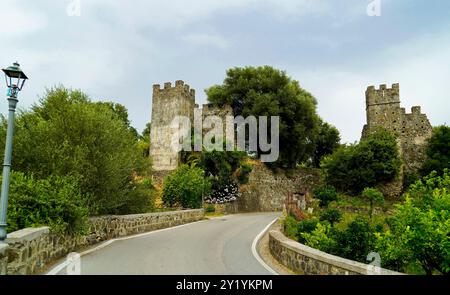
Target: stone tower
(168, 103)
(412, 129)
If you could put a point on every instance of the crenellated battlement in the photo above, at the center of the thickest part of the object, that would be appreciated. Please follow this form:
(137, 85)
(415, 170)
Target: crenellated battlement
(179, 87)
(383, 95)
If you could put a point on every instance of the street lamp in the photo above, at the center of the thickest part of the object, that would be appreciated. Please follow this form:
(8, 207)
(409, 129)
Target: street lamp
(15, 79)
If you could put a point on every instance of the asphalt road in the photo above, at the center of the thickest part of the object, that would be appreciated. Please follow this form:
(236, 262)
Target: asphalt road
(219, 246)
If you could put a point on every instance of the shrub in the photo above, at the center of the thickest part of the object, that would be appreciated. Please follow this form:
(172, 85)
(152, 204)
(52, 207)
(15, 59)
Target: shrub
(331, 215)
(305, 226)
(374, 197)
(356, 241)
(210, 209)
(375, 160)
(420, 229)
(185, 187)
(140, 199)
(68, 134)
(325, 194)
(438, 151)
(56, 202)
(290, 227)
(320, 238)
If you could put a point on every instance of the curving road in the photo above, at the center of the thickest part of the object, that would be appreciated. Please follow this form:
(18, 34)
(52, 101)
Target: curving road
(219, 246)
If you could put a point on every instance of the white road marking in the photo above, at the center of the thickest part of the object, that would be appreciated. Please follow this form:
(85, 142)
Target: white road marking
(255, 252)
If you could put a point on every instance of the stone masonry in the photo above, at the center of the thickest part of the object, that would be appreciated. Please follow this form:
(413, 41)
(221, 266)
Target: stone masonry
(30, 250)
(413, 129)
(168, 103)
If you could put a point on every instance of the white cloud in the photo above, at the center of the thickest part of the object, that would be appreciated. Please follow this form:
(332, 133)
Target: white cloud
(16, 19)
(206, 40)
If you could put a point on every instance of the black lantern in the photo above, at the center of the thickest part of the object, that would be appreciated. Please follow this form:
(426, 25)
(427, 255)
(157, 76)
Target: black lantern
(15, 78)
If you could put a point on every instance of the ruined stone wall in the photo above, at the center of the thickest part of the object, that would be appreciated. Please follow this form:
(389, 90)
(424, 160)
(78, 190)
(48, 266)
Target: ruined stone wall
(413, 129)
(168, 103)
(3, 258)
(29, 250)
(305, 260)
(267, 191)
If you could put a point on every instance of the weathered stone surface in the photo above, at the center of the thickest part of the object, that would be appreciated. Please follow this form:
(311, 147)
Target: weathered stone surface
(3, 258)
(28, 250)
(267, 191)
(413, 129)
(309, 261)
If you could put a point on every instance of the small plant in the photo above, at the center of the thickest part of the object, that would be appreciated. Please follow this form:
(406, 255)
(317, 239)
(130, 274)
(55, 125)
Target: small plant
(374, 197)
(290, 227)
(210, 209)
(332, 216)
(325, 194)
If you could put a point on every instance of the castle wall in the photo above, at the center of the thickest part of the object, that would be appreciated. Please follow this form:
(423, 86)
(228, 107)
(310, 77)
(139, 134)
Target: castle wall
(413, 129)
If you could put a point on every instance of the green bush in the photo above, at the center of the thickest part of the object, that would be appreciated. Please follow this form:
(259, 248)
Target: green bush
(290, 227)
(356, 241)
(305, 226)
(438, 151)
(420, 229)
(185, 187)
(210, 209)
(325, 194)
(55, 201)
(68, 134)
(321, 238)
(374, 160)
(140, 199)
(331, 215)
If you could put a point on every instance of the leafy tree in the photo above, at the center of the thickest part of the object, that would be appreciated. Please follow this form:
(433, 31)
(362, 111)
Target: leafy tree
(66, 134)
(420, 229)
(374, 197)
(185, 187)
(373, 161)
(325, 194)
(326, 142)
(438, 151)
(331, 215)
(54, 201)
(265, 91)
(305, 226)
(356, 241)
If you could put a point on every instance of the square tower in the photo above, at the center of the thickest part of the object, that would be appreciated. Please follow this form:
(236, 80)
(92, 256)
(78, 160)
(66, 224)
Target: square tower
(167, 104)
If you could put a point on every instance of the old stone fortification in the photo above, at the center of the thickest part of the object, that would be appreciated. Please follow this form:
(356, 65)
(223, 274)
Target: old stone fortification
(412, 129)
(168, 103)
(302, 259)
(29, 250)
(266, 191)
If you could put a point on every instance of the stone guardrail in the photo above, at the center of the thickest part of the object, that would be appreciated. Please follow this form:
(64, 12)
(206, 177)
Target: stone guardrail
(309, 261)
(29, 250)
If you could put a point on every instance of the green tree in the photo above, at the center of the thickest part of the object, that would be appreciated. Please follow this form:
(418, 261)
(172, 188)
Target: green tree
(185, 187)
(331, 215)
(438, 151)
(66, 134)
(420, 229)
(54, 201)
(326, 142)
(265, 91)
(374, 196)
(374, 160)
(325, 194)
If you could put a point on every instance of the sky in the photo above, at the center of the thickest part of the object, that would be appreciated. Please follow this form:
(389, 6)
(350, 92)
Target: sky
(116, 50)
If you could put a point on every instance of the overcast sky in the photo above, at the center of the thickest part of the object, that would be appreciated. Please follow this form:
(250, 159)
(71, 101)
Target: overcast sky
(116, 50)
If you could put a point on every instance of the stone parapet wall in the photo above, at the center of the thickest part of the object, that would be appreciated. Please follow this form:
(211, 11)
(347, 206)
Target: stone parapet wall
(29, 250)
(266, 191)
(3, 258)
(302, 259)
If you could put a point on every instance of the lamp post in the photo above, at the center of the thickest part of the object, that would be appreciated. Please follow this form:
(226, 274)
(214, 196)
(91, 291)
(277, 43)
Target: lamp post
(15, 79)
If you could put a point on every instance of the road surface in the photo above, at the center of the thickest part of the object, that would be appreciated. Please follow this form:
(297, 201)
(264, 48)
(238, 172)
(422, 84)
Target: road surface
(219, 246)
